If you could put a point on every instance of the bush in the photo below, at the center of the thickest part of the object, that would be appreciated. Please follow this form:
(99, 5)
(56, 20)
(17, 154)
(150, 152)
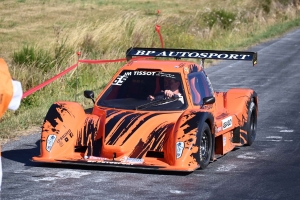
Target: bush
(266, 5)
(220, 17)
(31, 56)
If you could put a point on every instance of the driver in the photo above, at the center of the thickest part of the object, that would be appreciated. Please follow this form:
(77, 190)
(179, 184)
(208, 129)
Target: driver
(171, 87)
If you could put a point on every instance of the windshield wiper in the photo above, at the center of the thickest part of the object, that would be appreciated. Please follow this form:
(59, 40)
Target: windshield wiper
(157, 102)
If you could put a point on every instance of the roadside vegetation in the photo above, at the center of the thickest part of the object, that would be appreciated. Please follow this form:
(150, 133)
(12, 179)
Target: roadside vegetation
(39, 39)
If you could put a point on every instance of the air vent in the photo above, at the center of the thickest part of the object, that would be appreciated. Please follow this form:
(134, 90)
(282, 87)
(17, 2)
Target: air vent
(80, 149)
(155, 154)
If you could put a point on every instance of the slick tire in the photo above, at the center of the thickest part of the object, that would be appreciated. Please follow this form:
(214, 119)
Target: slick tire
(251, 124)
(204, 142)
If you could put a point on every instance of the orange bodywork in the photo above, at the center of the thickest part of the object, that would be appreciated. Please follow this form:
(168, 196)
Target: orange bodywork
(146, 139)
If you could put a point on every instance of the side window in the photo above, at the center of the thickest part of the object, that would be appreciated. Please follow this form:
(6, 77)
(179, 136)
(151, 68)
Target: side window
(200, 87)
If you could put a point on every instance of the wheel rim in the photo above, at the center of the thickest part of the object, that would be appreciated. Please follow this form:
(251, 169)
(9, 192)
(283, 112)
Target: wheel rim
(204, 146)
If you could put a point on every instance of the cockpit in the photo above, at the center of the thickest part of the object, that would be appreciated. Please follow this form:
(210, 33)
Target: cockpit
(131, 89)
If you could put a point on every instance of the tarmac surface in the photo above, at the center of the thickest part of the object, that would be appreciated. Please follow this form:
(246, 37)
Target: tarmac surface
(269, 169)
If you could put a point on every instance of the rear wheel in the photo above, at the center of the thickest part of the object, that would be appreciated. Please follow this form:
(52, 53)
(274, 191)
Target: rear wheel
(204, 142)
(251, 124)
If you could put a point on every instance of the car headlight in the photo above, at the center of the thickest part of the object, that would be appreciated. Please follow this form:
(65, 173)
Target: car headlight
(50, 142)
(179, 149)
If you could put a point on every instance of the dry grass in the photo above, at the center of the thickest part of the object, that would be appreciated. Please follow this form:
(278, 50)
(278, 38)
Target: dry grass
(42, 22)
(104, 29)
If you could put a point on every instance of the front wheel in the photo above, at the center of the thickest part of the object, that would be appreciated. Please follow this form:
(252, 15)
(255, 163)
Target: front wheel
(204, 142)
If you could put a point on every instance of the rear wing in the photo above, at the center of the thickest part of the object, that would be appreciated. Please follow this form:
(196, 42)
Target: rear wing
(192, 53)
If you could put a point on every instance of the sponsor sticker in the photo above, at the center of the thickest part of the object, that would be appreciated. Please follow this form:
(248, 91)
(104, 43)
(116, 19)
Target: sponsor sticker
(227, 123)
(123, 77)
(195, 54)
(108, 162)
(65, 138)
(95, 158)
(218, 129)
(179, 149)
(120, 80)
(129, 160)
(145, 73)
(123, 160)
(162, 74)
(50, 141)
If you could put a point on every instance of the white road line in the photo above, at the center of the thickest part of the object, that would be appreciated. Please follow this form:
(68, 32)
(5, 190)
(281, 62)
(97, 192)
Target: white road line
(286, 131)
(225, 168)
(176, 192)
(63, 175)
(274, 137)
(246, 156)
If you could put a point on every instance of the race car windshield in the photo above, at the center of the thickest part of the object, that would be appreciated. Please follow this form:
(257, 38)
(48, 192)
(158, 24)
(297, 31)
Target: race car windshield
(132, 89)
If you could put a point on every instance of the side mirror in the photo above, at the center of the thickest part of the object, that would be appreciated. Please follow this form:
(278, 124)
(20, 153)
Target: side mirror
(89, 94)
(208, 100)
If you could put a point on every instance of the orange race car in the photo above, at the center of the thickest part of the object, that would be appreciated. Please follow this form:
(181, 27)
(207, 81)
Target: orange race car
(154, 114)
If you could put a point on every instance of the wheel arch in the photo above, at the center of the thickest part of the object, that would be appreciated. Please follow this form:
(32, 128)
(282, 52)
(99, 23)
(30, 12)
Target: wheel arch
(186, 131)
(70, 126)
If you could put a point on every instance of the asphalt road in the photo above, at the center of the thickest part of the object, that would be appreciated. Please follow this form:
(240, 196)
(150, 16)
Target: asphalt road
(269, 169)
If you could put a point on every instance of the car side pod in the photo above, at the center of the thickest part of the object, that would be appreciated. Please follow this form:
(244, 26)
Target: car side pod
(60, 130)
(244, 103)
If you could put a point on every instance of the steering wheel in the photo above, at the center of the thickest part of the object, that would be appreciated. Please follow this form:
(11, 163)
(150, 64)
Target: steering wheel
(161, 95)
